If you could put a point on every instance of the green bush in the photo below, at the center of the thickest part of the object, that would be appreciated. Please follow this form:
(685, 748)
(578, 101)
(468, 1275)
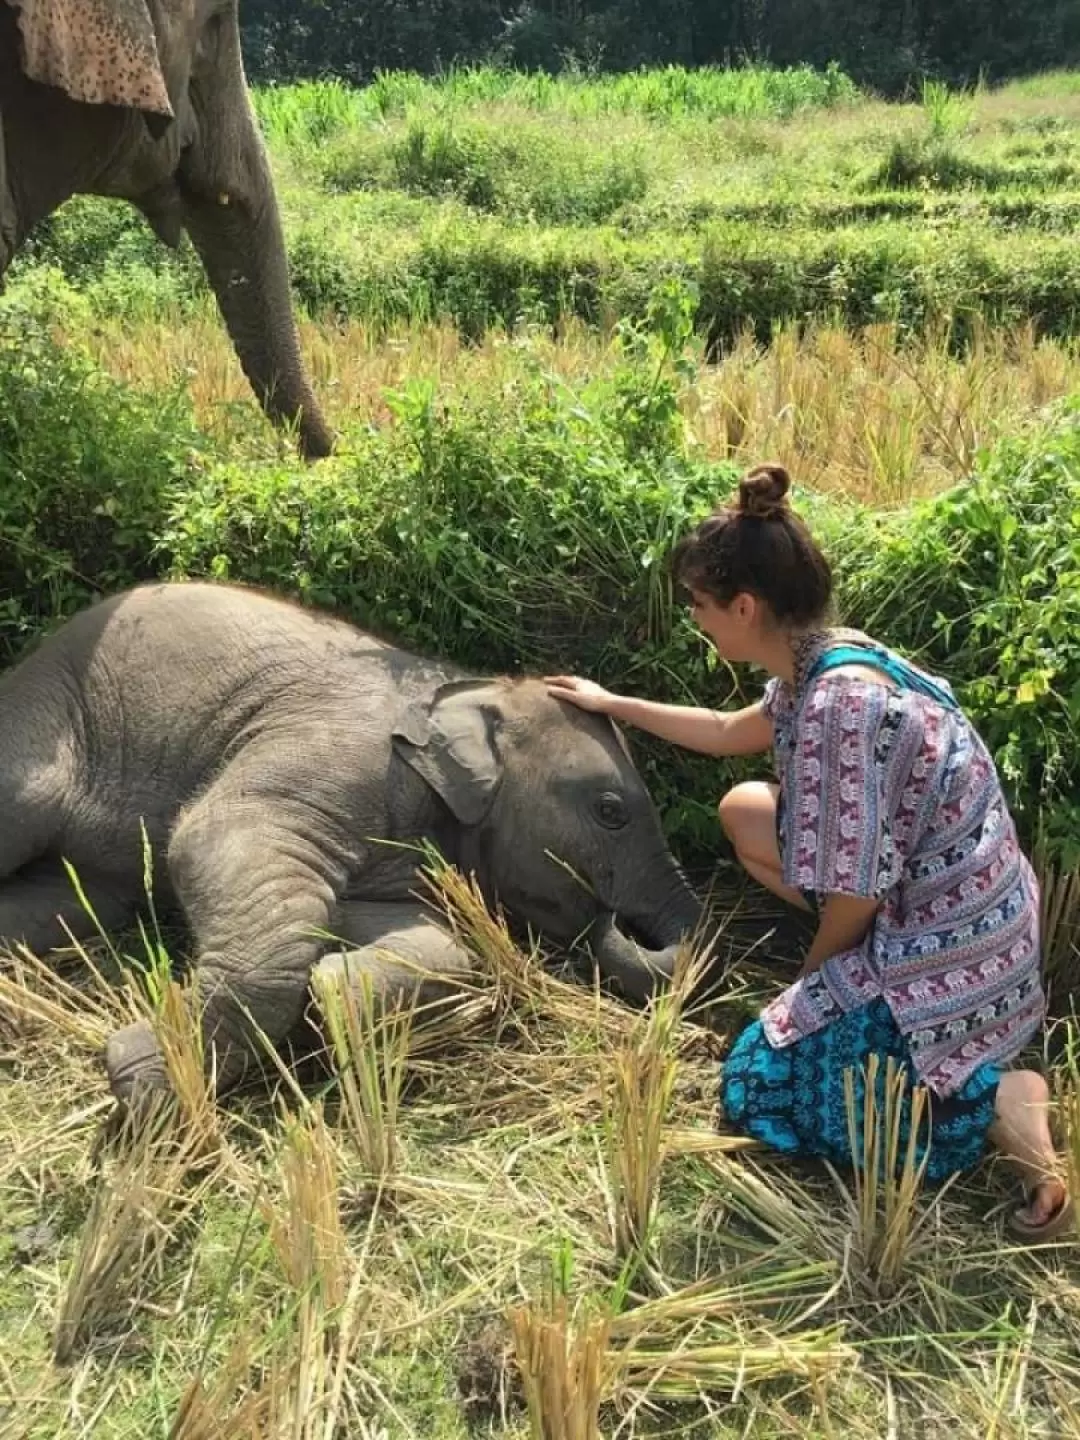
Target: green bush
(984, 583)
(928, 163)
(87, 465)
(107, 249)
(519, 170)
(479, 274)
(531, 530)
(523, 530)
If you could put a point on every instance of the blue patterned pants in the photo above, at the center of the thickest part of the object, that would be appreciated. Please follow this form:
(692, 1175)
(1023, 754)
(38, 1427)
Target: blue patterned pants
(793, 1099)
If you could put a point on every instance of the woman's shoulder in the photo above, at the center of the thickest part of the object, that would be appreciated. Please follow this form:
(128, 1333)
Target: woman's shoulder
(778, 699)
(858, 661)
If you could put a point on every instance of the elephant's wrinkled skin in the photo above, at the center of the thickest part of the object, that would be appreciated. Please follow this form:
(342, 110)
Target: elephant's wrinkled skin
(270, 752)
(183, 147)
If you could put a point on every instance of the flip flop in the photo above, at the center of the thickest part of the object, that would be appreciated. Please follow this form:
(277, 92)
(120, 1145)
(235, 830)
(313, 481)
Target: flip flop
(1057, 1225)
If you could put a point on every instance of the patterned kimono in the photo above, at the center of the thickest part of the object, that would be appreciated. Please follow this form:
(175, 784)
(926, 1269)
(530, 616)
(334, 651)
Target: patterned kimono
(888, 794)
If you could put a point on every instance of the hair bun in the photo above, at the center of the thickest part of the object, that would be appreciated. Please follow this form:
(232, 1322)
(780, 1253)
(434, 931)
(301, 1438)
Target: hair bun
(763, 492)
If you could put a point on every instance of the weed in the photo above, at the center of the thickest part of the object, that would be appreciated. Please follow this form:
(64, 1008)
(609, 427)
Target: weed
(564, 1366)
(888, 1168)
(369, 1038)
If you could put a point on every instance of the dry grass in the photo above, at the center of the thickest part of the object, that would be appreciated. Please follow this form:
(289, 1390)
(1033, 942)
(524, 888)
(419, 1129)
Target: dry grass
(1060, 930)
(370, 1046)
(68, 999)
(154, 1185)
(177, 1022)
(1068, 1111)
(289, 1310)
(565, 1368)
(643, 1073)
(863, 414)
(884, 1207)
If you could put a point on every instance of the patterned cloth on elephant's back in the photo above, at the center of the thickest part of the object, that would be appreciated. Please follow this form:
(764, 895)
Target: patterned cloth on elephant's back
(101, 52)
(889, 794)
(794, 1100)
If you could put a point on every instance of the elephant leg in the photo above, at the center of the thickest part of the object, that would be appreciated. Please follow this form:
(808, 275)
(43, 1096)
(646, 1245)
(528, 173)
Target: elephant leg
(408, 954)
(40, 909)
(257, 895)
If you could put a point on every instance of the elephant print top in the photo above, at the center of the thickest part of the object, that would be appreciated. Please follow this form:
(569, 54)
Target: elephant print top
(101, 52)
(886, 793)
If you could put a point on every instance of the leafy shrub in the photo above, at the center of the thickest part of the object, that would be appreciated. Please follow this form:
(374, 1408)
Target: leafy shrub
(523, 530)
(86, 465)
(984, 582)
(517, 170)
(108, 250)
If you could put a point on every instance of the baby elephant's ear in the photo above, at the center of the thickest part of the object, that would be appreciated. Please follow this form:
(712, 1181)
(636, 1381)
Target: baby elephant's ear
(100, 52)
(451, 743)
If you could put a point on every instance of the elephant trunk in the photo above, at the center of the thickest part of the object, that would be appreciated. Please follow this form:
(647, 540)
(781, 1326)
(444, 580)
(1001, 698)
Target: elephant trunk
(243, 251)
(676, 917)
(231, 213)
(673, 919)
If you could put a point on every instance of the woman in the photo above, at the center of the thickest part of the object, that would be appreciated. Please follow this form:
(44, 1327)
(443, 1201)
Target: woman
(888, 823)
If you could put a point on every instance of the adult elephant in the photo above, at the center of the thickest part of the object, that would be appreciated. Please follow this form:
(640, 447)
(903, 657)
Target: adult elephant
(147, 100)
(286, 767)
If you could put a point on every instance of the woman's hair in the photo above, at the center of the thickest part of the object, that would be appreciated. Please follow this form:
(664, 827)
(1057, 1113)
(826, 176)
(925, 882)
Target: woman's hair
(758, 546)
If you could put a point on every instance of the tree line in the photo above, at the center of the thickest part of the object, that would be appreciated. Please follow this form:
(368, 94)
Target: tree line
(885, 44)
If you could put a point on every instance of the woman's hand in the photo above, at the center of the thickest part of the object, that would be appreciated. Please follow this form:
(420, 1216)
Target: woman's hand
(585, 694)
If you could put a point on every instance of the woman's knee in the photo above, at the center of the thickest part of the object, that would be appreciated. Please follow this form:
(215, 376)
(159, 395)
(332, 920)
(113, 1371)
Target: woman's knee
(744, 810)
(733, 810)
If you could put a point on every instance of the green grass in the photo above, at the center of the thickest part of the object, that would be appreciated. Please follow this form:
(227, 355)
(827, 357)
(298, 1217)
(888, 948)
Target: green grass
(315, 110)
(490, 196)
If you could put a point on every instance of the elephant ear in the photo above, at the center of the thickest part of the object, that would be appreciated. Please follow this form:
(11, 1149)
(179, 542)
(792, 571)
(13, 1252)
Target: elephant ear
(100, 52)
(450, 742)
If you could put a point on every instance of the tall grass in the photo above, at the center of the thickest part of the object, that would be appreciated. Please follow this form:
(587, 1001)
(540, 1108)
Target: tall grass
(873, 415)
(369, 1038)
(889, 1169)
(314, 110)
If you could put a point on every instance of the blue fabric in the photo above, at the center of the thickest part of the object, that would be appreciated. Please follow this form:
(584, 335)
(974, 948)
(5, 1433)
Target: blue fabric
(793, 1099)
(897, 669)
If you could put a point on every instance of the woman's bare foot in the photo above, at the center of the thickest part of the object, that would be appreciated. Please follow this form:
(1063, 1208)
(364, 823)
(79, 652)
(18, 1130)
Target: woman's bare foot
(1044, 1202)
(1021, 1131)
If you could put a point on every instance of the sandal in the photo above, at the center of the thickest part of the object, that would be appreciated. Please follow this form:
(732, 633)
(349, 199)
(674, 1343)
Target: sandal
(1057, 1225)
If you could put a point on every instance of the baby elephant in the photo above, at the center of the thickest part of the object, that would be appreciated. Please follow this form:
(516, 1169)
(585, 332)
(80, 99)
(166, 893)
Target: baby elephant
(286, 766)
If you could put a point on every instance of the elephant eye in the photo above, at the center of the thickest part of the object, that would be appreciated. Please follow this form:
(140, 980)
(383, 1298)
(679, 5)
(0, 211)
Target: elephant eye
(610, 811)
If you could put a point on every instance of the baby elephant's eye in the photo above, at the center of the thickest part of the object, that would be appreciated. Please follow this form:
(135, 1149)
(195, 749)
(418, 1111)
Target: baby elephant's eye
(610, 810)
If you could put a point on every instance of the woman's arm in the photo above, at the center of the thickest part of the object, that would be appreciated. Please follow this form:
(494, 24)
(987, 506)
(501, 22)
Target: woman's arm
(710, 732)
(845, 921)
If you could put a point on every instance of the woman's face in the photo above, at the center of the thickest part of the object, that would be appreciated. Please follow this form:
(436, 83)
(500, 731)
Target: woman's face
(734, 629)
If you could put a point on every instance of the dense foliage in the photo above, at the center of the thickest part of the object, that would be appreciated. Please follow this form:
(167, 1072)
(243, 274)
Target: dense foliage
(882, 44)
(529, 527)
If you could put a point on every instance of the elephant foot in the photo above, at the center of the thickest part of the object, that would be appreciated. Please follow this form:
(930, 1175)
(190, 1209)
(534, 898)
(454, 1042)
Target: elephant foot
(135, 1065)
